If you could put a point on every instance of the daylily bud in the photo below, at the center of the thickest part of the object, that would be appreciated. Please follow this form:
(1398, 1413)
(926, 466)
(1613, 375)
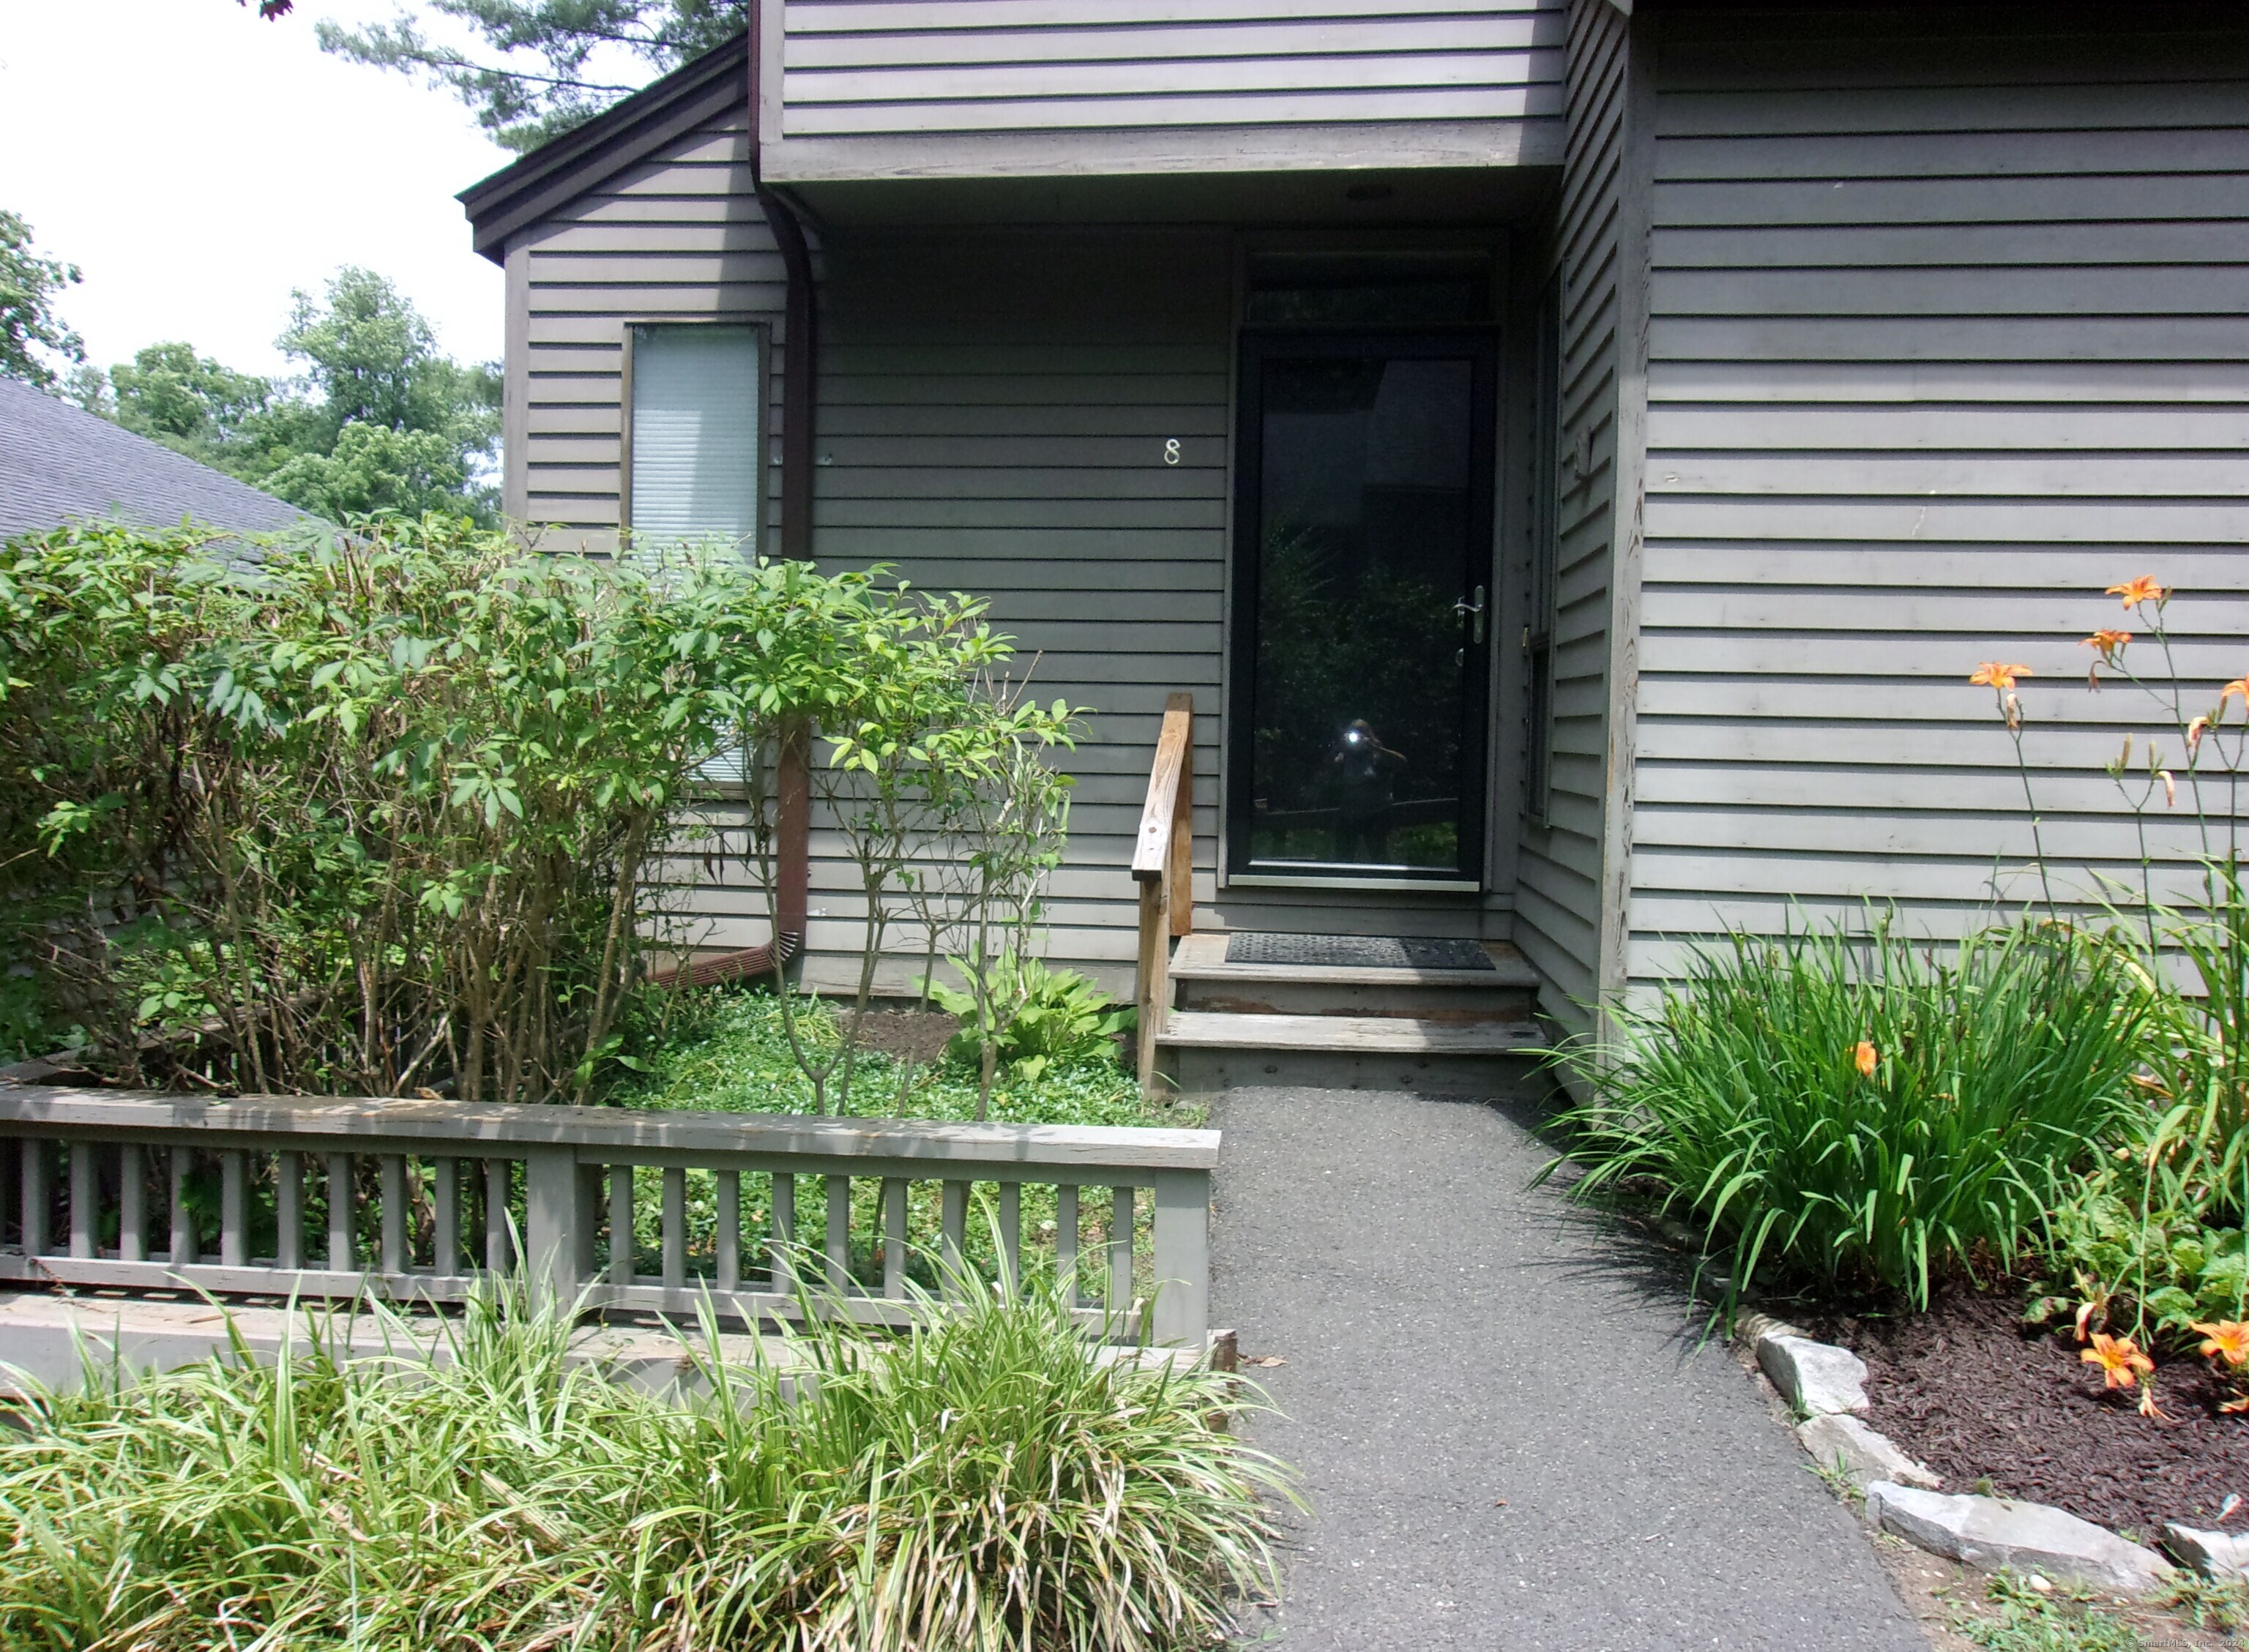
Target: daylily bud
(2170, 790)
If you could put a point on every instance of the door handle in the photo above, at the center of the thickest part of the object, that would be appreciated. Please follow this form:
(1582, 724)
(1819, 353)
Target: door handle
(1473, 609)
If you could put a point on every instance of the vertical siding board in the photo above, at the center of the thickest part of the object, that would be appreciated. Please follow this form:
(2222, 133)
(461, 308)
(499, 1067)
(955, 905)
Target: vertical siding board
(1558, 894)
(1946, 338)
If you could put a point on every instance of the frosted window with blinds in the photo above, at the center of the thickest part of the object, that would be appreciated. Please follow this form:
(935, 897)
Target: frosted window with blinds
(697, 435)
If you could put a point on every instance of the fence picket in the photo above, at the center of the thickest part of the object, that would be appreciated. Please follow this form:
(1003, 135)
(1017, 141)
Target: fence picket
(729, 1258)
(675, 1228)
(234, 1209)
(36, 1198)
(839, 1232)
(289, 1210)
(550, 1243)
(132, 1203)
(83, 1180)
(1120, 1249)
(1066, 1239)
(185, 1249)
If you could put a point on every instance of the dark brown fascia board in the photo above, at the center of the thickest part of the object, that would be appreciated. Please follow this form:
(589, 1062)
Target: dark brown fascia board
(529, 190)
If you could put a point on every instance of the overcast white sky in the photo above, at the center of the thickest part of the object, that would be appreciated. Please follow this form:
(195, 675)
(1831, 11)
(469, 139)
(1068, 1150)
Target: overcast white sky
(198, 164)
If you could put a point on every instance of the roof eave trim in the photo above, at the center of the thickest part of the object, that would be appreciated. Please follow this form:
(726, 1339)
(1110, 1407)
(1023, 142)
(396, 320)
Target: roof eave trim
(529, 188)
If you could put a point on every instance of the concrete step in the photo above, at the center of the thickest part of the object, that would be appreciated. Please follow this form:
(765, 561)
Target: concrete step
(1204, 980)
(1202, 1052)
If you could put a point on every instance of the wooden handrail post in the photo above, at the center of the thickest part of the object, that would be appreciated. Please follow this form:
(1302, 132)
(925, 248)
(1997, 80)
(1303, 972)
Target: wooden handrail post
(1163, 865)
(1152, 981)
(1179, 870)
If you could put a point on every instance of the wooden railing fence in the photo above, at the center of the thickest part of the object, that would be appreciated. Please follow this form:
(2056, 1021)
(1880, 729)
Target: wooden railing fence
(107, 1188)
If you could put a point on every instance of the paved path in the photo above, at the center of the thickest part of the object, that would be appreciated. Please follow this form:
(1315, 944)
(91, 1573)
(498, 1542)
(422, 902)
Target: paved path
(1454, 1339)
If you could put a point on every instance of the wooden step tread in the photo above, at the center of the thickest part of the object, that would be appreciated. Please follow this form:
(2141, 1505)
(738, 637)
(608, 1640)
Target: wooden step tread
(1341, 1034)
(1202, 957)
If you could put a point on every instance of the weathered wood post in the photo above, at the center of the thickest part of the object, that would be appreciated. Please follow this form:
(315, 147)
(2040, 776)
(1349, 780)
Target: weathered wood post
(553, 1197)
(1182, 1233)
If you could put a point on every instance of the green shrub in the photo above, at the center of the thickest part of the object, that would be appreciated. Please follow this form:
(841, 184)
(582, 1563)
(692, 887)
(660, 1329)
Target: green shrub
(380, 810)
(2153, 1239)
(1743, 1101)
(2154, 1266)
(987, 1482)
(1052, 1017)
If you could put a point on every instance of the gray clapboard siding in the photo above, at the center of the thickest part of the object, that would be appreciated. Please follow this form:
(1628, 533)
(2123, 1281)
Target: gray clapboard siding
(1027, 88)
(1558, 896)
(1946, 336)
(994, 407)
(678, 235)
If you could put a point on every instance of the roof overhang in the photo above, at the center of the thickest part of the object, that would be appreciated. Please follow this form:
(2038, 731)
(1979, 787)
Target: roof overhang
(556, 172)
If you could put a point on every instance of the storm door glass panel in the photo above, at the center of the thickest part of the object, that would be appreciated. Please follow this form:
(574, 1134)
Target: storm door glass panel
(698, 450)
(1367, 673)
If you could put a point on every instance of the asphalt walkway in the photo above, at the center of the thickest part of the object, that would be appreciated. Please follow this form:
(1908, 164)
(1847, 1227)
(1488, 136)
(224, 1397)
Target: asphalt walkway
(1508, 1432)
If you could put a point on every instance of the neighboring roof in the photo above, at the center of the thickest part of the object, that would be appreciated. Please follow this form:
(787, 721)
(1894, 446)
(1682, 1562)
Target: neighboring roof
(612, 140)
(58, 461)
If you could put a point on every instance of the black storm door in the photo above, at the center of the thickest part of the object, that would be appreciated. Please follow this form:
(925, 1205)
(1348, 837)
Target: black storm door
(1363, 559)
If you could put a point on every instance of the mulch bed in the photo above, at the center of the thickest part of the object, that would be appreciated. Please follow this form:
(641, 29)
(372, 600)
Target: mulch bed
(911, 1035)
(1969, 1391)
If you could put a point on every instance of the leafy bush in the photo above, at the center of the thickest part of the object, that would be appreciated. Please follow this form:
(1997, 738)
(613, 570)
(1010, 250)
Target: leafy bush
(2157, 1268)
(1056, 1017)
(1850, 1111)
(359, 812)
(983, 1482)
(2152, 1239)
(378, 811)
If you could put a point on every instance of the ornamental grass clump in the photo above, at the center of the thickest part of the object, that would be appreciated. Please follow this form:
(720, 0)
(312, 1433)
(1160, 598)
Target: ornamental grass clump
(1856, 1112)
(987, 1481)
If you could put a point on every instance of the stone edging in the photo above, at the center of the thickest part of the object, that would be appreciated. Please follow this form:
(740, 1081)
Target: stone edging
(1825, 1386)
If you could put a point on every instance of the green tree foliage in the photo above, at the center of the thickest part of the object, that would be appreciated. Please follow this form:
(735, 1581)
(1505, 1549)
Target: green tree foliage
(207, 411)
(539, 67)
(31, 332)
(380, 419)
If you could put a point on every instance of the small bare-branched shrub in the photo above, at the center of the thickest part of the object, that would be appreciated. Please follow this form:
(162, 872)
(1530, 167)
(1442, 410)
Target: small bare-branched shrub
(938, 781)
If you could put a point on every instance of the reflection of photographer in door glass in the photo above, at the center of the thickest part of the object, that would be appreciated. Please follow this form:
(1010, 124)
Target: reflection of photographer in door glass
(1364, 774)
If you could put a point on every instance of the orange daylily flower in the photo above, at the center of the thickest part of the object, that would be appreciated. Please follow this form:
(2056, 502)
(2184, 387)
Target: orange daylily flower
(1993, 675)
(1864, 1057)
(2228, 1338)
(2239, 685)
(2241, 1404)
(2121, 1363)
(2108, 642)
(2135, 592)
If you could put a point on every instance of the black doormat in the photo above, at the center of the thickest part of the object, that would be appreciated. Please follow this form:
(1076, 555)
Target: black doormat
(1356, 951)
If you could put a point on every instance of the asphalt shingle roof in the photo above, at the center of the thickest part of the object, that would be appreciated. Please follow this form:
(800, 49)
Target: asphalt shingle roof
(59, 462)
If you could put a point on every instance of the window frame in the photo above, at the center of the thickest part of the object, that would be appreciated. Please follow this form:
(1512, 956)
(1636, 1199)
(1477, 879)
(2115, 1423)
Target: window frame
(761, 328)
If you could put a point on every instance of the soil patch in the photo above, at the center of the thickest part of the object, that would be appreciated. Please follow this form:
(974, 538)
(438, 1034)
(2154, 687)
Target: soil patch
(911, 1035)
(1972, 1392)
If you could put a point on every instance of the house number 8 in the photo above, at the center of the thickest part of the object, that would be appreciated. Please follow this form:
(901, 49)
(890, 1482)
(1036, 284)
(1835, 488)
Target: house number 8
(1172, 451)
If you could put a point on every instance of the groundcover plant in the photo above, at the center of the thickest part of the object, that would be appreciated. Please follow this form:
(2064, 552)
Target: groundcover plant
(986, 1480)
(1861, 1111)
